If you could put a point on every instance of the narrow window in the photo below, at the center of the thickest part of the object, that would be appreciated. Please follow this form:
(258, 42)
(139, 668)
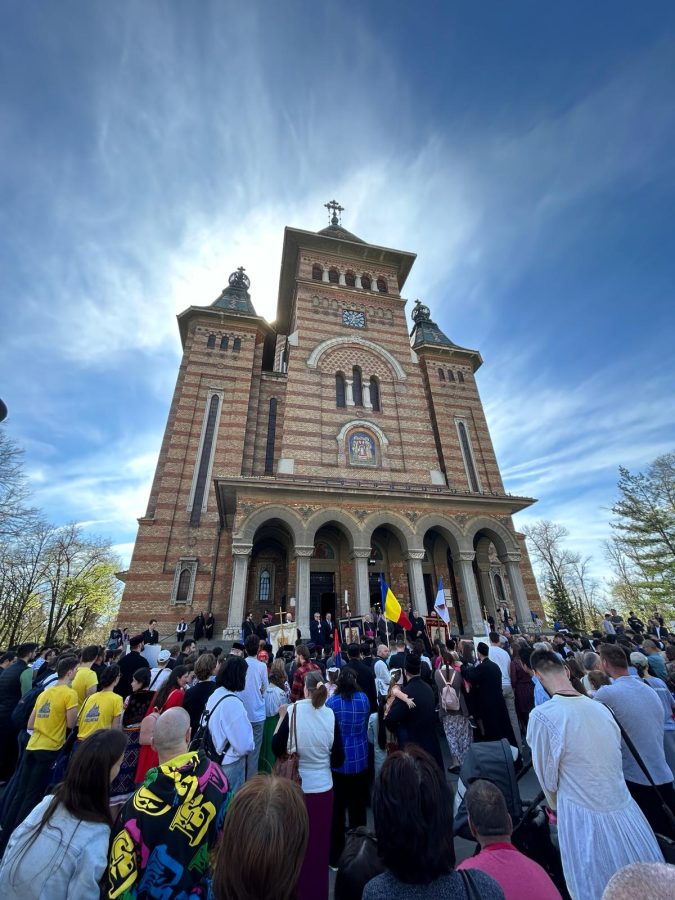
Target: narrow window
(334, 276)
(264, 585)
(184, 582)
(366, 282)
(356, 386)
(340, 390)
(460, 377)
(271, 434)
(350, 279)
(468, 458)
(441, 374)
(375, 394)
(236, 345)
(205, 461)
(382, 285)
(317, 272)
(451, 375)
(224, 341)
(211, 342)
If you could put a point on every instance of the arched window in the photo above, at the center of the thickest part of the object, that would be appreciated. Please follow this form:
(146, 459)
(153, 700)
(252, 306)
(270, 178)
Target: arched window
(460, 377)
(211, 341)
(204, 461)
(441, 374)
(340, 390)
(382, 285)
(184, 581)
(366, 282)
(317, 272)
(350, 279)
(357, 388)
(236, 345)
(468, 457)
(224, 341)
(451, 375)
(499, 585)
(334, 276)
(375, 394)
(264, 586)
(271, 435)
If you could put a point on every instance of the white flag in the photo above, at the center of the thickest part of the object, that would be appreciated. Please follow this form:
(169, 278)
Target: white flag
(440, 608)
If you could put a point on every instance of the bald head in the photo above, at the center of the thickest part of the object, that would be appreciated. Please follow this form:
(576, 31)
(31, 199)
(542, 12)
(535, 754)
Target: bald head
(172, 733)
(654, 880)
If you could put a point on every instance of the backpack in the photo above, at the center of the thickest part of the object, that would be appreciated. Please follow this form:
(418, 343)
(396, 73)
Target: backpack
(203, 739)
(22, 711)
(449, 696)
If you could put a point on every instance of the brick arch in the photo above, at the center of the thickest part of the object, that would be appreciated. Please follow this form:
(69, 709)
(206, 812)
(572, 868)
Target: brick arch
(355, 340)
(246, 532)
(445, 526)
(343, 359)
(504, 541)
(348, 525)
(396, 524)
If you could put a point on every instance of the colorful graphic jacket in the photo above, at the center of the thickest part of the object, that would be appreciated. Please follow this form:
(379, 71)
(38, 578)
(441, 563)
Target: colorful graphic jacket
(161, 846)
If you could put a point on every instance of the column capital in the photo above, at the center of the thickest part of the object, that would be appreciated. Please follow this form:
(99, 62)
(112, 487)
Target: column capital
(464, 556)
(415, 554)
(304, 552)
(361, 553)
(241, 549)
(513, 556)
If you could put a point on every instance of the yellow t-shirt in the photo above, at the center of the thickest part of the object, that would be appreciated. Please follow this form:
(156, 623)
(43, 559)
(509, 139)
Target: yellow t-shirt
(49, 730)
(98, 712)
(83, 680)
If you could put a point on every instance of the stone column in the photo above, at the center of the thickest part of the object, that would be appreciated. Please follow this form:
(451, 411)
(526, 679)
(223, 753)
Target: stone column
(341, 279)
(349, 391)
(324, 276)
(462, 562)
(241, 555)
(361, 555)
(512, 563)
(418, 597)
(357, 280)
(302, 560)
(365, 390)
(487, 592)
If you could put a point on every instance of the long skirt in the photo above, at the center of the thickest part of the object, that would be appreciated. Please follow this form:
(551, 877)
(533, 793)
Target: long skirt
(458, 735)
(267, 759)
(124, 784)
(313, 882)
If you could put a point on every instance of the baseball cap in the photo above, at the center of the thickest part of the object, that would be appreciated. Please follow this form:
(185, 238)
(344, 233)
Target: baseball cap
(163, 656)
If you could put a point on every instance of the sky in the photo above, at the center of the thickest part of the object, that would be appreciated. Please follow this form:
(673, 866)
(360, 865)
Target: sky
(524, 151)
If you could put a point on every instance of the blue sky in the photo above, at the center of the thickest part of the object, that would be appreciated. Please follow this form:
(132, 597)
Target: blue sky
(524, 151)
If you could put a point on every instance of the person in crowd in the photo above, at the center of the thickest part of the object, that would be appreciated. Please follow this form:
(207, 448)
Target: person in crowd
(519, 878)
(418, 632)
(129, 664)
(263, 844)
(229, 725)
(365, 675)
(47, 663)
(304, 665)
(6, 659)
(181, 631)
(607, 625)
(61, 848)
(639, 660)
(398, 657)
(591, 663)
(208, 626)
(253, 698)
(377, 736)
(200, 623)
(521, 681)
(455, 722)
(187, 648)
(170, 695)
(309, 728)
(485, 679)
(194, 699)
(275, 696)
(85, 682)
(11, 691)
(167, 829)
(417, 847)
(584, 786)
(54, 712)
(657, 664)
(416, 725)
(634, 623)
(359, 864)
(328, 628)
(134, 709)
(596, 680)
(351, 708)
(639, 711)
(617, 622)
(159, 674)
(655, 879)
(151, 635)
(316, 632)
(332, 673)
(576, 674)
(98, 666)
(381, 672)
(102, 710)
(499, 656)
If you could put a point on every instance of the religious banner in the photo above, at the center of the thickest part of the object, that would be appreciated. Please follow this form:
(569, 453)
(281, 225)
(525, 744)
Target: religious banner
(362, 449)
(351, 630)
(437, 629)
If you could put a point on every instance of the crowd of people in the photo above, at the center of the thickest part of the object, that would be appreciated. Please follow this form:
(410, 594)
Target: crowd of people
(250, 774)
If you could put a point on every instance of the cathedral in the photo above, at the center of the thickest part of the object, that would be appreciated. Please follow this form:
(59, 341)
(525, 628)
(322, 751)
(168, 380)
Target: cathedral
(304, 458)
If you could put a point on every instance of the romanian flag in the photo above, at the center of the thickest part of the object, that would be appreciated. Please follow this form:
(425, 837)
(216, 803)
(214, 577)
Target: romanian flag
(336, 647)
(391, 608)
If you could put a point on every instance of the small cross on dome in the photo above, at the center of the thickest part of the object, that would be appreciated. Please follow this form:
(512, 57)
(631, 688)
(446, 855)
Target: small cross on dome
(334, 212)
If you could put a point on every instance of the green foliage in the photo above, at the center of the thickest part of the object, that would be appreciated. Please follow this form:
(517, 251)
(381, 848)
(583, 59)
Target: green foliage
(562, 607)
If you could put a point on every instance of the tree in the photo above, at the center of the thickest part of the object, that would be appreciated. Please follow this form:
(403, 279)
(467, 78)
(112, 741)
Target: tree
(563, 609)
(15, 513)
(645, 531)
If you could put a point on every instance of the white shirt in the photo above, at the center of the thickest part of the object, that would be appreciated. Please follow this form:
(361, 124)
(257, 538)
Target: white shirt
(158, 675)
(382, 677)
(316, 730)
(229, 723)
(253, 695)
(503, 660)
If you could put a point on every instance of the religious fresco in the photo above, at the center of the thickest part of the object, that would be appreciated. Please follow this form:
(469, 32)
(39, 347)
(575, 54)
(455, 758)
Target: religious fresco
(362, 449)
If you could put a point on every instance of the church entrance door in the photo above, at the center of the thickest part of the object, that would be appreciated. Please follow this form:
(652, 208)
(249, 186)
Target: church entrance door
(322, 593)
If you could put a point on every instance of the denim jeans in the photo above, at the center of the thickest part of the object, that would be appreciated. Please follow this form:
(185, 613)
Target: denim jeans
(235, 772)
(254, 755)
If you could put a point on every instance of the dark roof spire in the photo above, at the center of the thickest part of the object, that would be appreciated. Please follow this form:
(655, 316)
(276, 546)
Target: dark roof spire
(335, 228)
(424, 330)
(235, 297)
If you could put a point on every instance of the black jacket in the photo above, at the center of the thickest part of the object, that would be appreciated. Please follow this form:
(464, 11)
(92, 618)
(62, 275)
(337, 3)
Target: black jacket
(316, 633)
(128, 665)
(365, 678)
(418, 725)
(151, 636)
(486, 682)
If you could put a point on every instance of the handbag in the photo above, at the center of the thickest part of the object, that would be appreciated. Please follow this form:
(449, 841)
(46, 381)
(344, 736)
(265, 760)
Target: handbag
(288, 765)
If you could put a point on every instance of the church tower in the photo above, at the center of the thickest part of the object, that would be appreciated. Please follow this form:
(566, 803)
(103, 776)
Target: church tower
(304, 458)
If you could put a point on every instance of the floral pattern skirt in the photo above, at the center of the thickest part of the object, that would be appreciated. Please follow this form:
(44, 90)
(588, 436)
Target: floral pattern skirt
(458, 735)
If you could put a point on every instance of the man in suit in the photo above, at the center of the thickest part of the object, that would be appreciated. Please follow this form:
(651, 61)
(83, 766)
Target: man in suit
(416, 725)
(485, 679)
(316, 631)
(248, 627)
(129, 664)
(364, 675)
(328, 627)
(151, 635)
